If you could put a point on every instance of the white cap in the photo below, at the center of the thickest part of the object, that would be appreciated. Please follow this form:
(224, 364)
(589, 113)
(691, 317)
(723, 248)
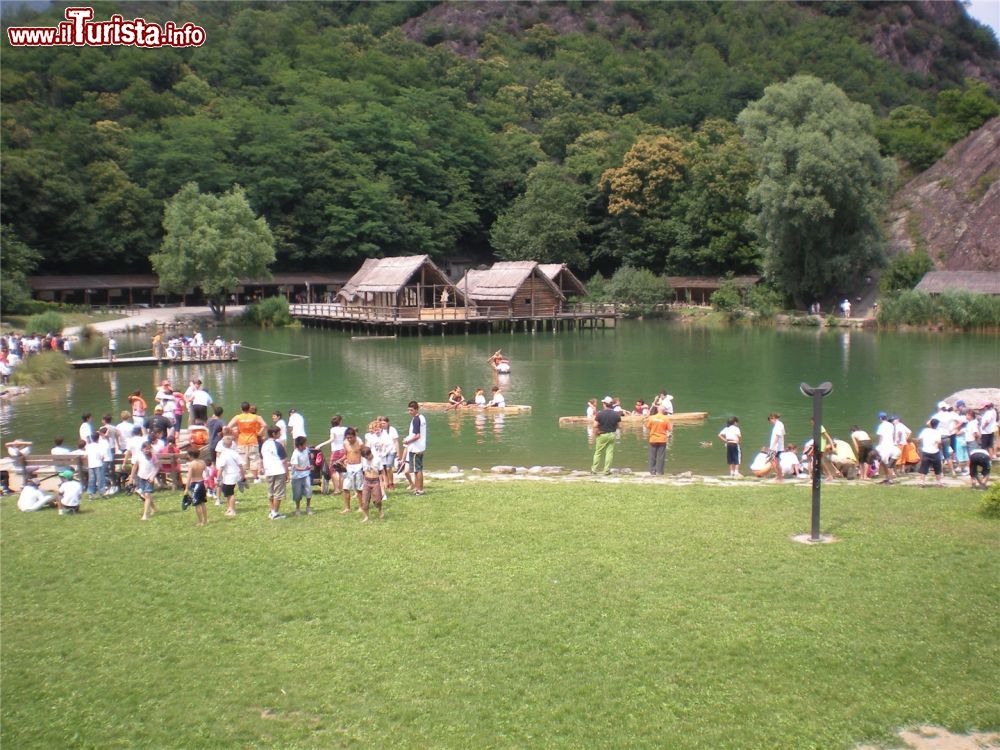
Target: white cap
(942, 404)
(607, 400)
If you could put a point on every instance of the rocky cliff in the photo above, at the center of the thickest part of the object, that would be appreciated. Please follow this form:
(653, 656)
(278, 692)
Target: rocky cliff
(953, 209)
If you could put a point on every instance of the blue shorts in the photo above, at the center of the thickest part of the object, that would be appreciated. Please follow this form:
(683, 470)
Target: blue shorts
(733, 454)
(961, 451)
(145, 485)
(416, 462)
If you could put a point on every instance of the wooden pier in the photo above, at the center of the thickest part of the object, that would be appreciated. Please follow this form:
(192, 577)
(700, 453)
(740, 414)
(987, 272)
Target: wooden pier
(82, 364)
(465, 319)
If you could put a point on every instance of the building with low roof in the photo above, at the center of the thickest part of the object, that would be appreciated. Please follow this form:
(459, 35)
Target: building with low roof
(976, 282)
(405, 283)
(698, 290)
(518, 287)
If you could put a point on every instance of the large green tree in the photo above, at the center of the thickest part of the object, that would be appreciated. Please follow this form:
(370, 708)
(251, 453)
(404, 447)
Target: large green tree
(822, 186)
(17, 261)
(210, 241)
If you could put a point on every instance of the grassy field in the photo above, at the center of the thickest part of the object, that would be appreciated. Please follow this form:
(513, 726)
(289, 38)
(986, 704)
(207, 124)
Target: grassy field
(515, 614)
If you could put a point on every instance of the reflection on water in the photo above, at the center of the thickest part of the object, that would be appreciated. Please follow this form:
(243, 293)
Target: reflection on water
(742, 371)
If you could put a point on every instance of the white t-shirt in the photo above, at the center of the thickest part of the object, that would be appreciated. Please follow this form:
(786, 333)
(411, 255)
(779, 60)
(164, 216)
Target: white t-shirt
(760, 462)
(930, 440)
(337, 438)
(283, 426)
(971, 431)
(200, 397)
(227, 461)
(297, 425)
(32, 498)
(988, 422)
(420, 444)
(391, 438)
(70, 492)
(123, 433)
(731, 433)
(273, 465)
(885, 436)
(777, 436)
(947, 421)
(789, 464)
(498, 399)
(95, 455)
(86, 430)
(148, 467)
(480, 399)
(135, 446)
(902, 433)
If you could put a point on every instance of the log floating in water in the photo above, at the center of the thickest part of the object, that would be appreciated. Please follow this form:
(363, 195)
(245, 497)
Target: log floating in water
(472, 408)
(681, 416)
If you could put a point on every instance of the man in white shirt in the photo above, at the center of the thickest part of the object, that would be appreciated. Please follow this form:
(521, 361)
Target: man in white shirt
(200, 400)
(32, 498)
(296, 424)
(86, 427)
(282, 426)
(416, 443)
(886, 447)
(96, 453)
(776, 445)
(930, 450)
(987, 429)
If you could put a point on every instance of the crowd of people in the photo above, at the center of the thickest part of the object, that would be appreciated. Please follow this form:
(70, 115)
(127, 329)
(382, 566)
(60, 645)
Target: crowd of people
(15, 348)
(955, 438)
(194, 347)
(214, 457)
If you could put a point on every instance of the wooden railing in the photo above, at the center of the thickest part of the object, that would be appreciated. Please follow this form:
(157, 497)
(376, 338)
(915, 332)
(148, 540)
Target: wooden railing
(386, 314)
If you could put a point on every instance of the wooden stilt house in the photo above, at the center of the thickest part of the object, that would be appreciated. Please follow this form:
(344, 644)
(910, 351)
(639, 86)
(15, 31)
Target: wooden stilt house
(566, 281)
(515, 289)
(410, 286)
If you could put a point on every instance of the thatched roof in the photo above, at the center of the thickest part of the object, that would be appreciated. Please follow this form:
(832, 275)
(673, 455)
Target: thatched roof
(391, 275)
(563, 278)
(978, 282)
(501, 282)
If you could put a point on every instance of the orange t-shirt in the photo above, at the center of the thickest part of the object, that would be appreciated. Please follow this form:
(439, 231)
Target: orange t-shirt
(248, 426)
(659, 428)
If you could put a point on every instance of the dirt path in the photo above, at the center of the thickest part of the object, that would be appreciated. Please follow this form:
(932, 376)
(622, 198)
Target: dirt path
(147, 317)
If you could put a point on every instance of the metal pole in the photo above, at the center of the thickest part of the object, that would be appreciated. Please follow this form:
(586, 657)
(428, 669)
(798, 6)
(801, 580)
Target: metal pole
(817, 471)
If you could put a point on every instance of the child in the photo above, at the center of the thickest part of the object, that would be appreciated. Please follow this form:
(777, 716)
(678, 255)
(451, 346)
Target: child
(145, 467)
(196, 485)
(372, 491)
(301, 475)
(70, 491)
(353, 480)
(275, 470)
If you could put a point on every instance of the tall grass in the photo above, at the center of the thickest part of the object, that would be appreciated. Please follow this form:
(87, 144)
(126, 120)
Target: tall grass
(513, 614)
(269, 312)
(961, 310)
(45, 322)
(38, 369)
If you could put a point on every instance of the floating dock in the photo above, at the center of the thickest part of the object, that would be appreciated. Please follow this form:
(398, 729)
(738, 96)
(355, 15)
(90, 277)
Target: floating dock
(85, 364)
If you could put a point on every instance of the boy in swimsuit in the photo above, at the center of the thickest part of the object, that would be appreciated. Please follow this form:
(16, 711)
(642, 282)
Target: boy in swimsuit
(195, 485)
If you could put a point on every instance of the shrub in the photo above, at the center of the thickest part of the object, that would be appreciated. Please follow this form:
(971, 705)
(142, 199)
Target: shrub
(90, 344)
(42, 368)
(726, 298)
(270, 311)
(905, 271)
(957, 309)
(597, 289)
(764, 301)
(46, 322)
(989, 506)
(640, 291)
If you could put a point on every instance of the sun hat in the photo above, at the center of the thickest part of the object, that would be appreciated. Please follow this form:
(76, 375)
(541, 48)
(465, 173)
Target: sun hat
(607, 400)
(942, 404)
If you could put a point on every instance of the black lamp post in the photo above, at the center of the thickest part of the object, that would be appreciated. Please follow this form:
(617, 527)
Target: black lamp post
(817, 394)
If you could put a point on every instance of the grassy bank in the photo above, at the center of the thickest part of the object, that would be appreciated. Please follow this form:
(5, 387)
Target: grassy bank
(504, 615)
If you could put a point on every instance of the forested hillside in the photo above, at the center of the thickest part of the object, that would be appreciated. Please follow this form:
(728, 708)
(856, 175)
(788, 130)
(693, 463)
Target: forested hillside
(590, 133)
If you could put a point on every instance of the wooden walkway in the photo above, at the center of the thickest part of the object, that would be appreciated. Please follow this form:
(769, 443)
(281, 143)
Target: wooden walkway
(151, 361)
(453, 319)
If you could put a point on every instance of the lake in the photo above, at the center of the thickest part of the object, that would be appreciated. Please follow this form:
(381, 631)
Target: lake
(742, 371)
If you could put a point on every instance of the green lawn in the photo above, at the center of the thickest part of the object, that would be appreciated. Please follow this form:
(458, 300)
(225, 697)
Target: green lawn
(516, 614)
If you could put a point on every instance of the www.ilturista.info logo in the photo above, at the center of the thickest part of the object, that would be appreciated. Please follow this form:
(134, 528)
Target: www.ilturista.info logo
(78, 30)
